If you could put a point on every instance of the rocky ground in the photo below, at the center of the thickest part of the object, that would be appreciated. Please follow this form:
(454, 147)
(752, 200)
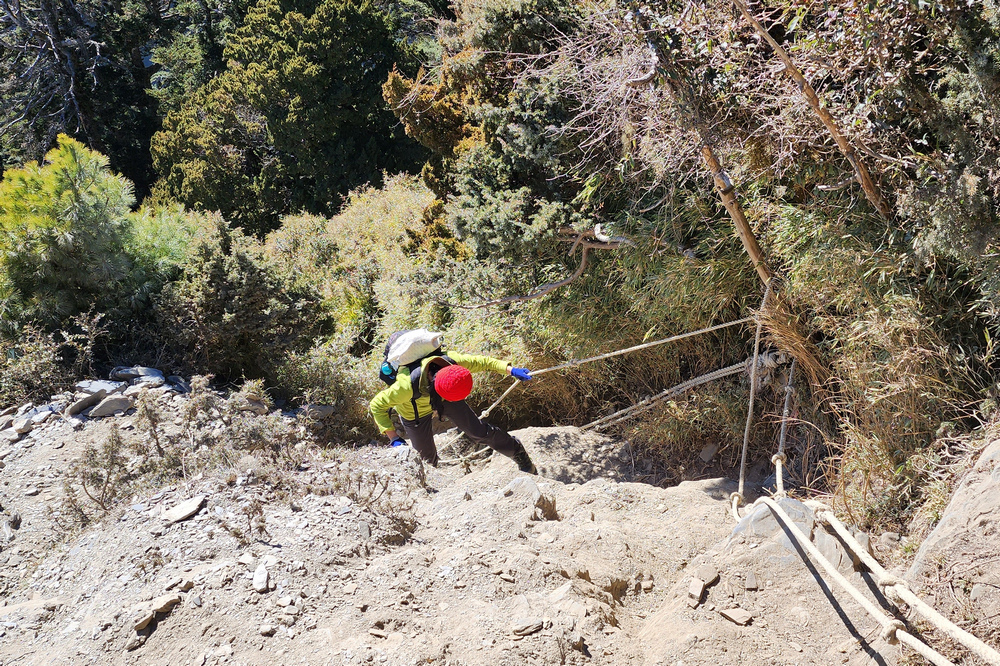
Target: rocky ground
(365, 556)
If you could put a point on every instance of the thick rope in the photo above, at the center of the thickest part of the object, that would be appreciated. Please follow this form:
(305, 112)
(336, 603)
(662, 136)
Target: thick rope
(890, 583)
(649, 403)
(737, 497)
(647, 345)
(892, 629)
(601, 357)
(779, 457)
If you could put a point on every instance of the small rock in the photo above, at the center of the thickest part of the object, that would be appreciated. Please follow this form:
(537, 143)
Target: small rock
(365, 529)
(164, 603)
(707, 573)
(135, 642)
(507, 577)
(196, 600)
(185, 509)
(522, 486)
(142, 619)
(23, 426)
(750, 583)
(91, 386)
(467, 496)
(526, 627)
(696, 589)
(111, 405)
(377, 633)
(284, 601)
(708, 452)
(31, 491)
(978, 591)
(291, 610)
(737, 615)
(266, 630)
(10, 435)
(889, 539)
(260, 579)
(350, 588)
(246, 558)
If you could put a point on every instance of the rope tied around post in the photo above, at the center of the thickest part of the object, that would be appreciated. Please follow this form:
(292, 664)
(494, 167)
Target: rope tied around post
(737, 497)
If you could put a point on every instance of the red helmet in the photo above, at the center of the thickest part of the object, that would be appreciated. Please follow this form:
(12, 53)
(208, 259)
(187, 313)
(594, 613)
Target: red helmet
(453, 383)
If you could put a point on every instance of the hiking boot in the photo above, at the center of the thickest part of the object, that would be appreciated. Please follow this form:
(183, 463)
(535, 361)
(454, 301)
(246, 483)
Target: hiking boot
(521, 458)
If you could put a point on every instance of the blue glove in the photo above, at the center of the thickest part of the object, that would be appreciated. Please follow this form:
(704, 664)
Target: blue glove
(521, 373)
(399, 441)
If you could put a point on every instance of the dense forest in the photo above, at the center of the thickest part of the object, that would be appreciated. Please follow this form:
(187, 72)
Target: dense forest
(264, 189)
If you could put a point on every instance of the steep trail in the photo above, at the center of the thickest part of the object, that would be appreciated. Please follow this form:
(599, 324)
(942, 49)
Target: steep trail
(578, 565)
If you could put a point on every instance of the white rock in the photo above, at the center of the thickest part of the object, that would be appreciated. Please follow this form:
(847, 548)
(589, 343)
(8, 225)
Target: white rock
(267, 630)
(86, 402)
(185, 509)
(260, 578)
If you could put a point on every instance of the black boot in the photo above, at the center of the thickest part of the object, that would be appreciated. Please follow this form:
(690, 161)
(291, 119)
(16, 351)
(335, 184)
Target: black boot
(522, 459)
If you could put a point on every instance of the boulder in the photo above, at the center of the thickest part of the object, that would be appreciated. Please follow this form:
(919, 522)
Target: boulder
(318, 412)
(86, 402)
(127, 373)
(112, 405)
(91, 386)
(964, 544)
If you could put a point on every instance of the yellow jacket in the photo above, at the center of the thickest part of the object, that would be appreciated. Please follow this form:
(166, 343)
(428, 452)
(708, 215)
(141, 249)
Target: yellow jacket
(399, 395)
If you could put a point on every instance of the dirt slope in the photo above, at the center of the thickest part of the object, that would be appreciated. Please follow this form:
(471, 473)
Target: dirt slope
(576, 566)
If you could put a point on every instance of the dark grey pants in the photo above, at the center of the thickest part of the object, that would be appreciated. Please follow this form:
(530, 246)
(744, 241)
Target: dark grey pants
(421, 432)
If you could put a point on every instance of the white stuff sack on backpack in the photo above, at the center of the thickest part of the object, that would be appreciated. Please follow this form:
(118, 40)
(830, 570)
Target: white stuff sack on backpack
(413, 345)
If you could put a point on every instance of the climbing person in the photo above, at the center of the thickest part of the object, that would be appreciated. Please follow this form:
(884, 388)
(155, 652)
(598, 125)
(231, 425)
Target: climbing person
(423, 378)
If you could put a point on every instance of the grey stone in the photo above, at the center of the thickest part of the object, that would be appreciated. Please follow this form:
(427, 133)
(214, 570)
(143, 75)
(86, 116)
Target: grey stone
(750, 582)
(366, 530)
(185, 509)
(527, 626)
(830, 548)
(179, 383)
(708, 452)
(889, 539)
(978, 591)
(87, 401)
(737, 615)
(6, 422)
(93, 386)
(10, 435)
(260, 579)
(8, 411)
(761, 522)
(135, 642)
(111, 405)
(126, 373)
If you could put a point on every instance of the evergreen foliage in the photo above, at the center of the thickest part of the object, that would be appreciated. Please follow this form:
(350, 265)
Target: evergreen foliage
(63, 230)
(295, 121)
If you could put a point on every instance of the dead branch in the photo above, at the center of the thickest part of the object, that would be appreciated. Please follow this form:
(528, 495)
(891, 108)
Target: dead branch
(860, 171)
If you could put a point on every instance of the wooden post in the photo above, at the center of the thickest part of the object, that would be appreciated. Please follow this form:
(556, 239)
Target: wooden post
(732, 204)
(860, 172)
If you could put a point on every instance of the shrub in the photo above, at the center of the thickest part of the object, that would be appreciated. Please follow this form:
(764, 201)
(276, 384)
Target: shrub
(231, 313)
(39, 364)
(63, 229)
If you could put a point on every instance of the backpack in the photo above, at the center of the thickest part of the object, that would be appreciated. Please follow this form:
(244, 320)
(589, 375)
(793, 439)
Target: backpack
(387, 373)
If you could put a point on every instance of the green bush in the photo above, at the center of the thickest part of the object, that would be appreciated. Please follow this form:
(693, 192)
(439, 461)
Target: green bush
(231, 313)
(63, 231)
